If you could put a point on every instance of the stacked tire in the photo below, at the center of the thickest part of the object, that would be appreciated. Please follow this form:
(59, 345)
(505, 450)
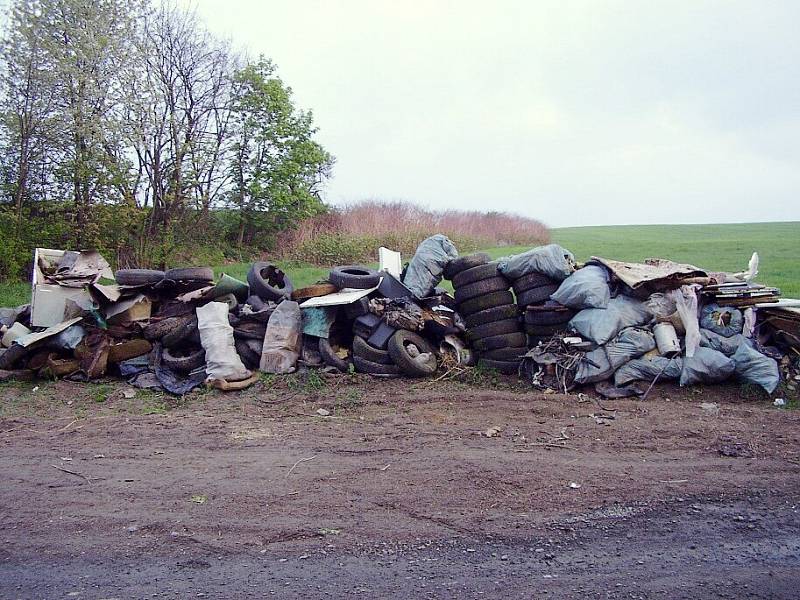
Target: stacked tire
(543, 317)
(491, 316)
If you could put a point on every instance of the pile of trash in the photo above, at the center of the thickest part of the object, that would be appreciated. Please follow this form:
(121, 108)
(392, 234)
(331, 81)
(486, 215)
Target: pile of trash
(619, 326)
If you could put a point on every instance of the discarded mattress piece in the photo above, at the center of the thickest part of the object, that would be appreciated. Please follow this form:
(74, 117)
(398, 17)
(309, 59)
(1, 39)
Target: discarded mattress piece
(616, 325)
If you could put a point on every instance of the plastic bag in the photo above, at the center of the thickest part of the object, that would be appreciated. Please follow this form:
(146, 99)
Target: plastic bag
(602, 324)
(706, 366)
(594, 367)
(216, 337)
(686, 305)
(754, 367)
(749, 322)
(552, 260)
(647, 369)
(585, 288)
(727, 345)
(283, 339)
(661, 305)
(724, 320)
(630, 343)
(424, 272)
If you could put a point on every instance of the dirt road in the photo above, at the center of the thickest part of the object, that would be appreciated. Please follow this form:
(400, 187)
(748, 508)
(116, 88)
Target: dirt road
(397, 492)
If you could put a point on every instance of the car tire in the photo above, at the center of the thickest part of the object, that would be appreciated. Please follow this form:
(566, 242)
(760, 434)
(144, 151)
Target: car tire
(158, 329)
(250, 330)
(484, 302)
(250, 357)
(530, 281)
(462, 263)
(536, 295)
(507, 354)
(190, 274)
(330, 357)
(543, 330)
(481, 288)
(508, 340)
(268, 282)
(474, 274)
(503, 366)
(410, 365)
(137, 277)
(365, 350)
(548, 315)
(494, 328)
(362, 365)
(181, 332)
(354, 276)
(497, 313)
(183, 360)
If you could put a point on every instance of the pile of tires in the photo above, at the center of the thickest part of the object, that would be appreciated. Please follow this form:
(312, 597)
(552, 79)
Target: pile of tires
(542, 317)
(490, 313)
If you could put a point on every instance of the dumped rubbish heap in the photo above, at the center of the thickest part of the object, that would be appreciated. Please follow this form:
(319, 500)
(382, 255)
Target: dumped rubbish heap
(618, 326)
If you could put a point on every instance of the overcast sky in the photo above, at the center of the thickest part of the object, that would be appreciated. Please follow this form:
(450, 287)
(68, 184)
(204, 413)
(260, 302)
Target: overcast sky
(575, 113)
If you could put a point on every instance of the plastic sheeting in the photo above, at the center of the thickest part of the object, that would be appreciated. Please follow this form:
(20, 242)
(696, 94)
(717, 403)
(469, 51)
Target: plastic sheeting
(754, 367)
(706, 366)
(601, 324)
(585, 288)
(283, 340)
(552, 260)
(425, 269)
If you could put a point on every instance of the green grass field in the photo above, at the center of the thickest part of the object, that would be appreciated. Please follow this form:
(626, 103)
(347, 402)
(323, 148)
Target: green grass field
(713, 247)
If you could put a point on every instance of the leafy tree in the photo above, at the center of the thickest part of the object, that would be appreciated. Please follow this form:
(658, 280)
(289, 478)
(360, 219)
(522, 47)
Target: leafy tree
(276, 167)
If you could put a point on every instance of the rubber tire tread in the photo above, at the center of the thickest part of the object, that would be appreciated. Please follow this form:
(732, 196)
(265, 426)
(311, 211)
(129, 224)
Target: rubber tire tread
(494, 328)
(138, 276)
(543, 330)
(480, 288)
(484, 302)
(503, 366)
(365, 350)
(496, 313)
(462, 263)
(190, 274)
(548, 317)
(406, 363)
(180, 333)
(250, 357)
(363, 365)
(505, 353)
(530, 281)
(533, 340)
(360, 281)
(261, 287)
(508, 340)
(329, 356)
(184, 364)
(536, 295)
(13, 355)
(156, 331)
(474, 274)
(250, 330)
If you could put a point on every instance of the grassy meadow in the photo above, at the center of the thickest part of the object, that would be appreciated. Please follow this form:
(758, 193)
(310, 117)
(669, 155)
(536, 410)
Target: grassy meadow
(724, 247)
